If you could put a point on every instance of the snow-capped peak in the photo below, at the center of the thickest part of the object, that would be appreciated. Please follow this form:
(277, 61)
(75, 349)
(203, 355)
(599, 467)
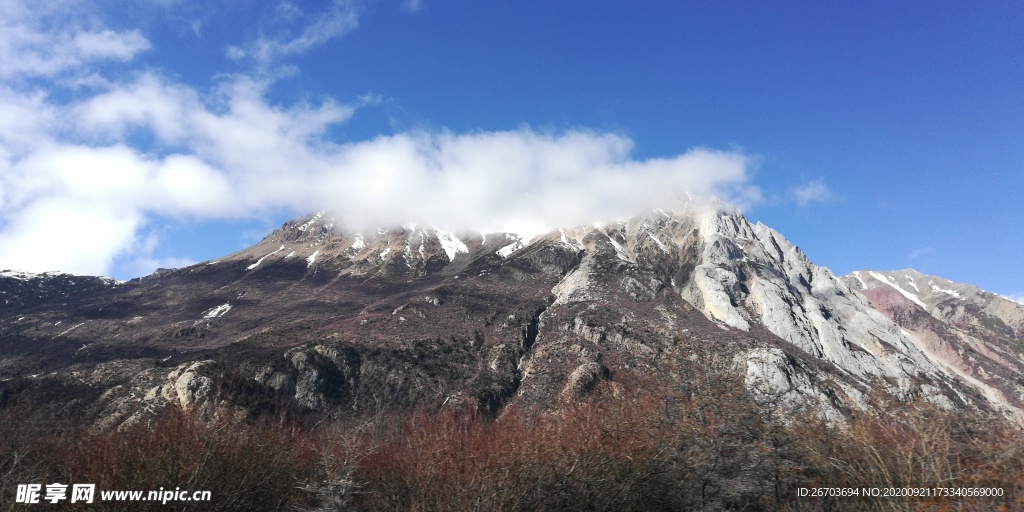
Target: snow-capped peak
(451, 244)
(311, 221)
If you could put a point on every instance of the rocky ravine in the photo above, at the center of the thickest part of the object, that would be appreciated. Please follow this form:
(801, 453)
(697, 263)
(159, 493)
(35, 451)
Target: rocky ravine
(340, 322)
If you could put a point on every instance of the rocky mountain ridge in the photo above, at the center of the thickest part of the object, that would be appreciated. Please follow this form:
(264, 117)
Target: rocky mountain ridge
(971, 334)
(341, 322)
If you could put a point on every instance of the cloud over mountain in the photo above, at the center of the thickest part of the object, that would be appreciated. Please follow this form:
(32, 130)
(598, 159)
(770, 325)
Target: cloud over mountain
(238, 156)
(85, 168)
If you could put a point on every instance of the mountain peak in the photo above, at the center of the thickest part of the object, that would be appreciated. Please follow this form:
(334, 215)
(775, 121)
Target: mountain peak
(520, 317)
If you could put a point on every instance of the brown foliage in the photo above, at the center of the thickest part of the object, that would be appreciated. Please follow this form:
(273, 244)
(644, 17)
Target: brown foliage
(245, 467)
(913, 445)
(695, 442)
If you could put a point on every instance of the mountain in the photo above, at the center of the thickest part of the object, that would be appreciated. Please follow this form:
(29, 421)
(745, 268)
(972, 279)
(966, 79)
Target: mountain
(334, 321)
(971, 334)
(21, 289)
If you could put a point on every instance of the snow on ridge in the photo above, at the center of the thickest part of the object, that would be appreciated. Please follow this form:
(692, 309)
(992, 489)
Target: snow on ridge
(312, 258)
(913, 298)
(863, 285)
(218, 311)
(451, 244)
(385, 252)
(22, 275)
(254, 265)
(912, 283)
(619, 250)
(316, 217)
(518, 243)
(660, 244)
(19, 275)
(578, 245)
(935, 288)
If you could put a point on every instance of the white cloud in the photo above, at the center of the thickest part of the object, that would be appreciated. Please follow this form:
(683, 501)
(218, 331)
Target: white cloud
(921, 252)
(339, 19)
(43, 40)
(815, 191)
(77, 194)
(412, 5)
(54, 233)
(109, 44)
(238, 156)
(515, 180)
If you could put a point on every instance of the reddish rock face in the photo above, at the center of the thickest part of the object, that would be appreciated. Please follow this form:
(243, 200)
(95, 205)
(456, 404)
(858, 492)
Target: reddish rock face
(971, 334)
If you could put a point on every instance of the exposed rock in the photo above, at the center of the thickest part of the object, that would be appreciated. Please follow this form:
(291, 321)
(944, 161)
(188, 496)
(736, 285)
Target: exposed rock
(582, 380)
(972, 335)
(190, 384)
(417, 316)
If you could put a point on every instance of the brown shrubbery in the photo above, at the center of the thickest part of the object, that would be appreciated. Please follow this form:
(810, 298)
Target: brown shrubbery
(699, 443)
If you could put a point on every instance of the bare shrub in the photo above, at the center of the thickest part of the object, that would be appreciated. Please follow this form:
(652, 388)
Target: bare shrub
(901, 444)
(687, 438)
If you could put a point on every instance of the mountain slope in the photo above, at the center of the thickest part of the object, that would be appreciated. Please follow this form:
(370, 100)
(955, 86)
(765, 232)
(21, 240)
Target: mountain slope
(971, 334)
(331, 320)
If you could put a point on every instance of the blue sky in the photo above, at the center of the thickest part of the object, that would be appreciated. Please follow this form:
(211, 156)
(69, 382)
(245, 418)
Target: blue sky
(878, 135)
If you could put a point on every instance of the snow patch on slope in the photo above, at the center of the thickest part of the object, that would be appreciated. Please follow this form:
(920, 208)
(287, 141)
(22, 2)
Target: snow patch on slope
(863, 285)
(358, 243)
(620, 252)
(254, 265)
(518, 243)
(218, 311)
(451, 244)
(312, 258)
(935, 288)
(660, 244)
(910, 280)
(883, 279)
(71, 329)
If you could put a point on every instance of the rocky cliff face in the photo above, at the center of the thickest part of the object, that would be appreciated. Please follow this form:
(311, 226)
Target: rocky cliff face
(324, 319)
(971, 335)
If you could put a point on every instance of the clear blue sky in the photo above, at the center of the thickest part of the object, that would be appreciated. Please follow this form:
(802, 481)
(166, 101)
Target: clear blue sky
(878, 135)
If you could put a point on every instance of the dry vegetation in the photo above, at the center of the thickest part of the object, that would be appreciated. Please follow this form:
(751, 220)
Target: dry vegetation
(699, 443)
